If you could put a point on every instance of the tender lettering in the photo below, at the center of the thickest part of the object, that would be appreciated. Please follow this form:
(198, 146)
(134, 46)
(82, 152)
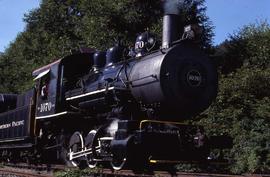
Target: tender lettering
(4, 126)
(17, 123)
(12, 124)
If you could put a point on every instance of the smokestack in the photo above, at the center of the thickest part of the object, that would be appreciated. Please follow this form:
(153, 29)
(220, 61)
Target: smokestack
(171, 19)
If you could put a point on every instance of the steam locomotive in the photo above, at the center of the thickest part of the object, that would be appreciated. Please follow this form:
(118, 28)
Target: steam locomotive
(94, 106)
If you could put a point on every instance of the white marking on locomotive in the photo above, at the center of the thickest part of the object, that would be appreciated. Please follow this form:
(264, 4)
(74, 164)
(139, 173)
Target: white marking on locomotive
(44, 107)
(17, 123)
(194, 78)
(12, 124)
(4, 126)
(53, 115)
(92, 93)
(139, 45)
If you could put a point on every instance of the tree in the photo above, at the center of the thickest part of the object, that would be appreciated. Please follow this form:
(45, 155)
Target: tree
(246, 48)
(194, 12)
(60, 25)
(242, 107)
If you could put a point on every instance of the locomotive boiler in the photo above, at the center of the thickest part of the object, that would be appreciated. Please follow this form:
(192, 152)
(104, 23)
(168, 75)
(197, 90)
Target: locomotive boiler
(94, 106)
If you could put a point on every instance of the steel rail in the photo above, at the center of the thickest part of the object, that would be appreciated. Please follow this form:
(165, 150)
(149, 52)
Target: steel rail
(13, 172)
(106, 172)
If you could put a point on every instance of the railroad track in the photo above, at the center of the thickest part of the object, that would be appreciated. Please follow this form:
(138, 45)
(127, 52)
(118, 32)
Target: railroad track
(122, 173)
(24, 170)
(13, 172)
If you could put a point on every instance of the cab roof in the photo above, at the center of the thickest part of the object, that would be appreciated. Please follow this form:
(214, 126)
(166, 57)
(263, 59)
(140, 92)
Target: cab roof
(36, 72)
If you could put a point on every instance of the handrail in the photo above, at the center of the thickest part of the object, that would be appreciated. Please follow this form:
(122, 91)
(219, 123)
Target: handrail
(162, 122)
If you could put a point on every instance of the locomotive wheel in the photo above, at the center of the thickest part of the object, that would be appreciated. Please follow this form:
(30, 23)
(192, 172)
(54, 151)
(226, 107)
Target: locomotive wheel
(136, 161)
(132, 156)
(123, 157)
(76, 145)
(118, 163)
(90, 143)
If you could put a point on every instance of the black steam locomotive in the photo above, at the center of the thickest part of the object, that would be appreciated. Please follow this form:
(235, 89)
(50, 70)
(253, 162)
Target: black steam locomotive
(95, 106)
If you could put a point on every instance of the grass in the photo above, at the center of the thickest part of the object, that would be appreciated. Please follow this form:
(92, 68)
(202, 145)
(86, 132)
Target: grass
(77, 172)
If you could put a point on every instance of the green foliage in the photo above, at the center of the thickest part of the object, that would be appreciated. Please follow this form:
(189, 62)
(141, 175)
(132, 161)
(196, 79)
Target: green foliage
(78, 172)
(242, 107)
(186, 167)
(109, 19)
(249, 47)
(195, 13)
